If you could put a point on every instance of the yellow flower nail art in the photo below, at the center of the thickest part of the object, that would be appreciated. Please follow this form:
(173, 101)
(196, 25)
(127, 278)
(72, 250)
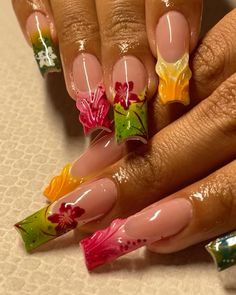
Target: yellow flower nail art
(62, 184)
(174, 80)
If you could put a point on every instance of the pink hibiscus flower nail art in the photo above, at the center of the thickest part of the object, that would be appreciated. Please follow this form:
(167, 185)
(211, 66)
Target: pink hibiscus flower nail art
(124, 94)
(67, 217)
(94, 108)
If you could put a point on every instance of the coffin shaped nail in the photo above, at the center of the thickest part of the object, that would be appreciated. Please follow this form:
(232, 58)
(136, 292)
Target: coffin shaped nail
(172, 39)
(45, 51)
(144, 228)
(87, 203)
(223, 251)
(104, 152)
(91, 99)
(130, 101)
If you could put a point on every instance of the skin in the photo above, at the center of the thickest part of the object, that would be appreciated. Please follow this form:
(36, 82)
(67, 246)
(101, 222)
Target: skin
(195, 153)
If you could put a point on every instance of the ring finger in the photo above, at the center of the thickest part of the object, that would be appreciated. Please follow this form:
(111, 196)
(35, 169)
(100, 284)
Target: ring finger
(78, 33)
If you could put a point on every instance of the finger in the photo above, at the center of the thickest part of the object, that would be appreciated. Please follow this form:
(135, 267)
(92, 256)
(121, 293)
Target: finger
(206, 139)
(212, 63)
(79, 39)
(36, 21)
(197, 213)
(184, 151)
(128, 65)
(215, 58)
(173, 30)
(213, 202)
(150, 168)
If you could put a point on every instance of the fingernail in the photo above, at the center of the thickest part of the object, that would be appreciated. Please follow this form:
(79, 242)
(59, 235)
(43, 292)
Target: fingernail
(124, 236)
(172, 39)
(103, 153)
(223, 251)
(87, 203)
(130, 102)
(91, 98)
(45, 51)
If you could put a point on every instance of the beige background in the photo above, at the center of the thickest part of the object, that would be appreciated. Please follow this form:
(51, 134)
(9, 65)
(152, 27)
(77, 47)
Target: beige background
(38, 134)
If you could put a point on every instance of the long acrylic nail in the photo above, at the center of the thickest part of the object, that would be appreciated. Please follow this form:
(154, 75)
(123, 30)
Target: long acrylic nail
(223, 251)
(172, 39)
(130, 101)
(104, 152)
(45, 51)
(87, 203)
(91, 98)
(126, 235)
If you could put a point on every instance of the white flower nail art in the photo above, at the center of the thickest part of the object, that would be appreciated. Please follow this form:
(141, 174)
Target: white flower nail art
(46, 57)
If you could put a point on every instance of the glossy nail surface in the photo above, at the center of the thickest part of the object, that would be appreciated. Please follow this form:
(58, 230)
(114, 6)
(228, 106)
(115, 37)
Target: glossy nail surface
(172, 39)
(103, 153)
(130, 102)
(45, 51)
(223, 251)
(123, 236)
(62, 184)
(89, 202)
(91, 98)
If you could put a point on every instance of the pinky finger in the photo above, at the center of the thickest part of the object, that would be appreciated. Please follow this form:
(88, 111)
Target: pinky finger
(36, 21)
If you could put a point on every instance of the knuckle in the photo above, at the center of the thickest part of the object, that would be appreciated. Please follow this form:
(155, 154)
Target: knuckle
(123, 24)
(149, 167)
(220, 108)
(209, 60)
(77, 26)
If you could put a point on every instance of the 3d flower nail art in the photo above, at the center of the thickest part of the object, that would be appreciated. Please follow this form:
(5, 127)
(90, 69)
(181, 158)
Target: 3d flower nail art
(223, 251)
(172, 39)
(45, 51)
(144, 228)
(62, 184)
(130, 101)
(91, 99)
(94, 108)
(86, 203)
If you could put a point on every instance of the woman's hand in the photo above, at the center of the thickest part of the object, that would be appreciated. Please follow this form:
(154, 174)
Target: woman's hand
(187, 172)
(106, 44)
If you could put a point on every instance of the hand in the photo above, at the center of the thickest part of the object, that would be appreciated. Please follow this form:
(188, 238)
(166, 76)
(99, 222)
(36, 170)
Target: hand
(186, 173)
(105, 45)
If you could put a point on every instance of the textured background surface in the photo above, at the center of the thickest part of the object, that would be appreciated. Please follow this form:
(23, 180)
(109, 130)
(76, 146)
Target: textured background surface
(38, 134)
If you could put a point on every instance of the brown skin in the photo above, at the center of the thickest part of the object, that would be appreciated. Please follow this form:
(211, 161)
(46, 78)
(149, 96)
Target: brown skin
(200, 143)
(196, 154)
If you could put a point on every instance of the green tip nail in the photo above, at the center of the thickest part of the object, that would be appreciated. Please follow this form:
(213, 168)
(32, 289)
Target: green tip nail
(223, 251)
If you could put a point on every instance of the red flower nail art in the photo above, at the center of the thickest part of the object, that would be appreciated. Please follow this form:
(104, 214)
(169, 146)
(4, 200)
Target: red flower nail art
(67, 218)
(124, 94)
(94, 108)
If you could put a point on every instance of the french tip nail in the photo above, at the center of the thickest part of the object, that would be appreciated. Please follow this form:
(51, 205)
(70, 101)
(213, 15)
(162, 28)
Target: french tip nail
(223, 251)
(46, 53)
(144, 228)
(131, 124)
(89, 202)
(62, 184)
(172, 39)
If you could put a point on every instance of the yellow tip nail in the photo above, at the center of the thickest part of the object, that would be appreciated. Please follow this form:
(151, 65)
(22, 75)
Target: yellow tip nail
(174, 80)
(62, 184)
